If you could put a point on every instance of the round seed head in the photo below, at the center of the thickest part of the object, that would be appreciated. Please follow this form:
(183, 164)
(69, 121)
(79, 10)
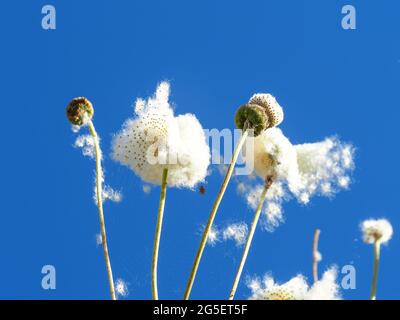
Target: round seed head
(279, 294)
(271, 106)
(79, 110)
(253, 117)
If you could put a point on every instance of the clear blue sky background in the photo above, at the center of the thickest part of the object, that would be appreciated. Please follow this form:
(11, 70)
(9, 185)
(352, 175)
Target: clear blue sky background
(216, 54)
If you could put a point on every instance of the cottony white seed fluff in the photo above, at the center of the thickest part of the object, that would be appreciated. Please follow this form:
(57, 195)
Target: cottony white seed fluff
(296, 288)
(301, 171)
(374, 230)
(155, 139)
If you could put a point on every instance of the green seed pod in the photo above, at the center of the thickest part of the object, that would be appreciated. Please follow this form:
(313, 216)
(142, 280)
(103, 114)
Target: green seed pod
(253, 116)
(79, 110)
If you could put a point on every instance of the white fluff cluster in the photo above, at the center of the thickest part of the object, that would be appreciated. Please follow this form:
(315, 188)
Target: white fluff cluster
(323, 167)
(156, 139)
(86, 143)
(274, 154)
(108, 192)
(111, 194)
(376, 230)
(99, 240)
(296, 288)
(233, 231)
(236, 232)
(121, 288)
(75, 128)
(301, 171)
(272, 210)
(213, 236)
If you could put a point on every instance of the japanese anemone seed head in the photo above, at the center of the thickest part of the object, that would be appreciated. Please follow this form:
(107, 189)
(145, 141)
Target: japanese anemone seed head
(259, 114)
(79, 111)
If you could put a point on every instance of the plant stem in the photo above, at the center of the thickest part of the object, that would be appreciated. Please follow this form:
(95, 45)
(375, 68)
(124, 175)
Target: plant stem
(99, 196)
(315, 255)
(250, 236)
(163, 193)
(377, 250)
(213, 213)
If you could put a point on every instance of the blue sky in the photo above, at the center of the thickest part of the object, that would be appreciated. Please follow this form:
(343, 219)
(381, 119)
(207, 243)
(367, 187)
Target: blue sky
(216, 54)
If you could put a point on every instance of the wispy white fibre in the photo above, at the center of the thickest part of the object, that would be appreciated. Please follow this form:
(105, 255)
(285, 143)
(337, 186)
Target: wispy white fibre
(108, 192)
(111, 194)
(236, 232)
(296, 288)
(156, 139)
(86, 143)
(121, 288)
(301, 171)
(376, 230)
(272, 209)
(213, 236)
(146, 188)
(75, 129)
(99, 240)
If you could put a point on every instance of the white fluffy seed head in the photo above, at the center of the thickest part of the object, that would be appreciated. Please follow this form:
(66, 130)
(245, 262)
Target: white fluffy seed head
(301, 170)
(321, 167)
(376, 230)
(271, 106)
(275, 155)
(155, 140)
(326, 288)
(296, 288)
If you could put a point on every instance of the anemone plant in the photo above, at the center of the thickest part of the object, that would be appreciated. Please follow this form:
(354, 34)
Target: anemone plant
(259, 114)
(162, 149)
(80, 113)
(376, 232)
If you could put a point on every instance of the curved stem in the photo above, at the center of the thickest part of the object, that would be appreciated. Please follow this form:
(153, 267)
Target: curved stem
(250, 238)
(99, 195)
(163, 193)
(377, 250)
(213, 214)
(315, 253)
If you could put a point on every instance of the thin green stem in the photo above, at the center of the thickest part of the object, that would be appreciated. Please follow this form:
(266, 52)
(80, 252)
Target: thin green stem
(377, 251)
(163, 193)
(213, 213)
(249, 239)
(99, 195)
